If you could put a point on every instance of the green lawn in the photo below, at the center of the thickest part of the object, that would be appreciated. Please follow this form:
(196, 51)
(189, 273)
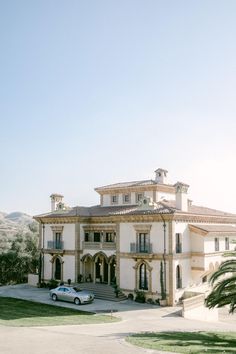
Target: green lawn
(22, 313)
(187, 342)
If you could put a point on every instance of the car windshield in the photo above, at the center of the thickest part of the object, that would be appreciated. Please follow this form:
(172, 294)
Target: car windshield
(77, 289)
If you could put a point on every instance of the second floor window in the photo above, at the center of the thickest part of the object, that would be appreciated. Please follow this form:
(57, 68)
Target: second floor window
(178, 244)
(126, 198)
(217, 247)
(86, 236)
(114, 199)
(58, 239)
(139, 197)
(97, 237)
(110, 237)
(143, 242)
(226, 243)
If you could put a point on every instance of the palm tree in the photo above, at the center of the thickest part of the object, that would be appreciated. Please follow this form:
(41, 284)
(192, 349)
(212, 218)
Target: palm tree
(224, 286)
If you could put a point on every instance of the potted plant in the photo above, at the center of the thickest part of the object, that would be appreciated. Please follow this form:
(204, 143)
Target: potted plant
(163, 301)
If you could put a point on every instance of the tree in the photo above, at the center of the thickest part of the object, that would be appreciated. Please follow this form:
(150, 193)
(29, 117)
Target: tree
(163, 292)
(224, 286)
(20, 255)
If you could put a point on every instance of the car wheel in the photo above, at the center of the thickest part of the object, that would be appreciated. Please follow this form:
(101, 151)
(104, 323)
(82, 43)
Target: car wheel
(77, 301)
(54, 297)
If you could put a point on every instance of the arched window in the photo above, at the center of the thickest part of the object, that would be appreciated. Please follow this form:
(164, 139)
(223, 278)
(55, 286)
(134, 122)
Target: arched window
(57, 269)
(178, 278)
(143, 277)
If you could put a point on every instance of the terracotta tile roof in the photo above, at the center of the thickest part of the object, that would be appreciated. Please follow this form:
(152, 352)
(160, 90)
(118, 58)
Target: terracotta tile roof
(215, 228)
(163, 207)
(127, 184)
(107, 211)
(199, 210)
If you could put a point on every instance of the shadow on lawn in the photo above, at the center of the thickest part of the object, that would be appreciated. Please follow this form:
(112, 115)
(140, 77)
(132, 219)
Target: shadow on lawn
(13, 309)
(211, 342)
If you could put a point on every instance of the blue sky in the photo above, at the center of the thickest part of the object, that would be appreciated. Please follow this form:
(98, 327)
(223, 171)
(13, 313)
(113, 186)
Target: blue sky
(98, 92)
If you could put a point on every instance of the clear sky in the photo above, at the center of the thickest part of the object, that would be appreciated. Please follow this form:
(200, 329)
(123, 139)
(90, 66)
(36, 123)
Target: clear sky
(103, 91)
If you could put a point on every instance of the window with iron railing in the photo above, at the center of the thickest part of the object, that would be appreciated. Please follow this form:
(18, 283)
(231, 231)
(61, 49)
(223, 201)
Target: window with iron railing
(135, 248)
(56, 245)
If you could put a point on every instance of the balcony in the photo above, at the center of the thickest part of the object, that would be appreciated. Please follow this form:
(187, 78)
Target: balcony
(137, 248)
(99, 245)
(178, 248)
(55, 245)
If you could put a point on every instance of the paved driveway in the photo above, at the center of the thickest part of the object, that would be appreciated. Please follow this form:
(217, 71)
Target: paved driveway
(99, 338)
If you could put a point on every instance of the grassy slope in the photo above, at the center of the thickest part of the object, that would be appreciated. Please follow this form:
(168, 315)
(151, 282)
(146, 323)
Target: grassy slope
(15, 312)
(187, 342)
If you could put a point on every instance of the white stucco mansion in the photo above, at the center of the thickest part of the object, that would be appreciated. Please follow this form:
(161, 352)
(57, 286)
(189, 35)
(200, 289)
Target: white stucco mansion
(137, 226)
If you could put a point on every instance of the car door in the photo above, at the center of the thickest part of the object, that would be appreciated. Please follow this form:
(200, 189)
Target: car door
(61, 293)
(68, 296)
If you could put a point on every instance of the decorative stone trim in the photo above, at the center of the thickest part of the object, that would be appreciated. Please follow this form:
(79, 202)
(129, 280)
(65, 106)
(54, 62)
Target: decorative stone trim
(153, 187)
(142, 228)
(149, 269)
(198, 268)
(57, 228)
(106, 228)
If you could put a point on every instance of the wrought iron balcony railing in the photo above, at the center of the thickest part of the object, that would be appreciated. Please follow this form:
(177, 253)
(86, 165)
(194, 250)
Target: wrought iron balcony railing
(178, 248)
(56, 245)
(138, 248)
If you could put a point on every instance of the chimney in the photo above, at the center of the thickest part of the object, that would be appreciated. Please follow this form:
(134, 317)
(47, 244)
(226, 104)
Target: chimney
(181, 190)
(55, 199)
(161, 176)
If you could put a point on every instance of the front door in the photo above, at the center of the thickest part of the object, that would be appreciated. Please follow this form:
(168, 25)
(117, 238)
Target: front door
(105, 272)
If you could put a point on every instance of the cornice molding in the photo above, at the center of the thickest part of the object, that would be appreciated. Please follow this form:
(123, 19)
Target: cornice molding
(177, 217)
(152, 187)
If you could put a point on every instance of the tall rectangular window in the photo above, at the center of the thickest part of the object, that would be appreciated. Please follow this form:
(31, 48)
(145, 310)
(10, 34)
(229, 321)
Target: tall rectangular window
(143, 242)
(58, 239)
(86, 236)
(139, 197)
(97, 237)
(178, 244)
(226, 243)
(114, 199)
(126, 198)
(109, 237)
(217, 245)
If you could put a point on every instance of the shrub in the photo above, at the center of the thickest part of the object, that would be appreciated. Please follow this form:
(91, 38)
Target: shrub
(52, 284)
(140, 296)
(149, 301)
(80, 278)
(130, 296)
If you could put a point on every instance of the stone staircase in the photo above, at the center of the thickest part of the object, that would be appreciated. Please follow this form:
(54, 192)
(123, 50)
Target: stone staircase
(102, 291)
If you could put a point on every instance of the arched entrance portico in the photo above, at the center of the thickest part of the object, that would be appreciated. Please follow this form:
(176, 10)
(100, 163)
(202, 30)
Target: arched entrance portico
(99, 268)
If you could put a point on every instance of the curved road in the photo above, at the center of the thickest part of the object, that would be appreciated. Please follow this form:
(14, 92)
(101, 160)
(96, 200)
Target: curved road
(99, 338)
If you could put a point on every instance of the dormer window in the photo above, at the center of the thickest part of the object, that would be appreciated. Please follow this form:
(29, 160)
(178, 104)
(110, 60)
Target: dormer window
(139, 197)
(114, 199)
(126, 198)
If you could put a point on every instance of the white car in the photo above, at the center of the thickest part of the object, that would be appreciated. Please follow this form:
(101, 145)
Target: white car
(71, 294)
